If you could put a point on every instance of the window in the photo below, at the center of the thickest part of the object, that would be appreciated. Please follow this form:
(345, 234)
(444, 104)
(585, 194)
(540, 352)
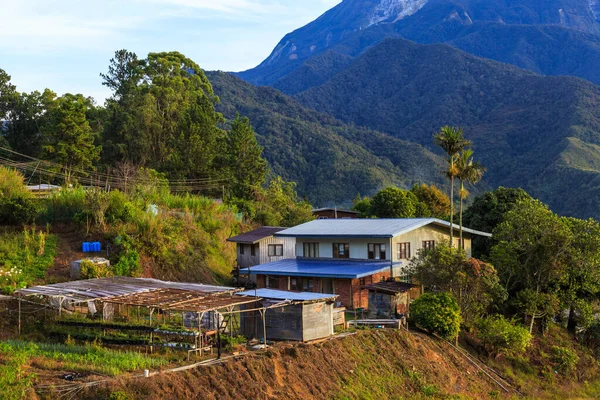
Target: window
(403, 251)
(323, 218)
(301, 284)
(311, 250)
(376, 251)
(253, 249)
(428, 244)
(272, 282)
(341, 250)
(241, 249)
(307, 284)
(275, 250)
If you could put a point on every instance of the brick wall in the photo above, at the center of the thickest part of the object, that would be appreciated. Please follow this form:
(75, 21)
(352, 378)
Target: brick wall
(349, 290)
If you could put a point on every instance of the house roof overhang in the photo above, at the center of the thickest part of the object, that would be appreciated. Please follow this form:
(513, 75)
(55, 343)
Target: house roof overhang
(321, 268)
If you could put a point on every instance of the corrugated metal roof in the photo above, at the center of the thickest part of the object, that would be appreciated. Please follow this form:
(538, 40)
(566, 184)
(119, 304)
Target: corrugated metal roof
(91, 289)
(321, 268)
(256, 235)
(283, 295)
(382, 228)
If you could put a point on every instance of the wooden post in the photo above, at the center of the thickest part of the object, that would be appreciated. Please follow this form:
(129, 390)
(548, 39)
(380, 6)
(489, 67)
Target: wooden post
(150, 320)
(201, 315)
(19, 315)
(263, 311)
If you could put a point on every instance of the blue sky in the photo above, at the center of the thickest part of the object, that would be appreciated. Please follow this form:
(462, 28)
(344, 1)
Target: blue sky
(64, 44)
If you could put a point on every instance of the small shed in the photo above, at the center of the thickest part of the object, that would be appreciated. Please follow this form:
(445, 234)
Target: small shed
(390, 298)
(302, 316)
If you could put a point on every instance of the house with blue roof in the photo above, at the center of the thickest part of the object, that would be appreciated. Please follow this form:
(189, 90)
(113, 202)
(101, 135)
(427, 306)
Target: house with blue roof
(344, 256)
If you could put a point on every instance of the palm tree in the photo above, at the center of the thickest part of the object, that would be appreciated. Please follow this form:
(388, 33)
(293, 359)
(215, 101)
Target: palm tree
(452, 141)
(471, 172)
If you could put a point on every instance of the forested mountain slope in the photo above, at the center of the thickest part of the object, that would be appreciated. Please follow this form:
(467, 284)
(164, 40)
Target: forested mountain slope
(331, 162)
(530, 131)
(557, 37)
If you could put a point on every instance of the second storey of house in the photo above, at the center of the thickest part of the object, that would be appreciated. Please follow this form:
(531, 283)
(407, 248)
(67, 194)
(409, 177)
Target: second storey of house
(397, 240)
(260, 246)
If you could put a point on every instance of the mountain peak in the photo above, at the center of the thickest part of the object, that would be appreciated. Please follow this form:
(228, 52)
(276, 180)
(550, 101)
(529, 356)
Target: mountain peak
(394, 10)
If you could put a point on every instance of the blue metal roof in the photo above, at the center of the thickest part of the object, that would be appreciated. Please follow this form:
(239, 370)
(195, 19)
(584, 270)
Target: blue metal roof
(320, 268)
(366, 228)
(283, 295)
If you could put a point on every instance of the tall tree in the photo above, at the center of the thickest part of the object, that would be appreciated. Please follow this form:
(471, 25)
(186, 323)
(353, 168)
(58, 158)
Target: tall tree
(27, 117)
(435, 202)
(469, 172)
(487, 212)
(247, 166)
(452, 141)
(579, 285)
(70, 140)
(8, 92)
(394, 203)
(163, 114)
(532, 245)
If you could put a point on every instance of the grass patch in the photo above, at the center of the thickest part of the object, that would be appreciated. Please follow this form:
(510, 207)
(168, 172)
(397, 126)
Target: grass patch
(87, 358)
(25, 257)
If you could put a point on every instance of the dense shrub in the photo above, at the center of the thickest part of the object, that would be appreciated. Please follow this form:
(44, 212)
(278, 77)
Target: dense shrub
(437, 313)
(501, 336)
(90, 270)
(17, 210)
(565, 359)
(119, 209)
(128, 263)
(16, 202)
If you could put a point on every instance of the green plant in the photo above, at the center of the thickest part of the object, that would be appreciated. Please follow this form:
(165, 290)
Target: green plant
(119, 395)
(24, 257)
(501, 336)
(91, 270)
(565, 359)
(229, 343)
(128, 263)
(437, 313)
(16, 203)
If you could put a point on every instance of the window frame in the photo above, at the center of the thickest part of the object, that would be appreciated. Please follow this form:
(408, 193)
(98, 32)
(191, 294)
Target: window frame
(241, 250)
(314, 246)
(275, 248)
(309, 287)
(336, 250)
(378, 249)
(269, 279)
(403, 251)
(253, 249)
(428, 245)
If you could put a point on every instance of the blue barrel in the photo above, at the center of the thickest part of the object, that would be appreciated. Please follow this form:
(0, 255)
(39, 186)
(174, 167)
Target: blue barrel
(86, 247)
(97, 246)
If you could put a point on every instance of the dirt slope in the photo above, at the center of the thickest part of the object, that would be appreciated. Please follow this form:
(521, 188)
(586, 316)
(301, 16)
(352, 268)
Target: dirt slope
(369, 365)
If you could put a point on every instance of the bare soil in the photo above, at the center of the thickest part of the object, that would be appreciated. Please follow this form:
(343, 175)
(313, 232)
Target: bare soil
(382, 364)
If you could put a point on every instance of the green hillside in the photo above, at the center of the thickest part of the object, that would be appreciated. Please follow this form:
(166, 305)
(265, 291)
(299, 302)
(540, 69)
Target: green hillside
(331, 162)
(521, 123)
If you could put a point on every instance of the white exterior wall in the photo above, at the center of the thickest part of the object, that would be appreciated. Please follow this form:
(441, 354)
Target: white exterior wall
(262, 252)
(359, 249)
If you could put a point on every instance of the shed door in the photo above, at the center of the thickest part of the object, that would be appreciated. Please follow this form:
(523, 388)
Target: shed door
(327, 286)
